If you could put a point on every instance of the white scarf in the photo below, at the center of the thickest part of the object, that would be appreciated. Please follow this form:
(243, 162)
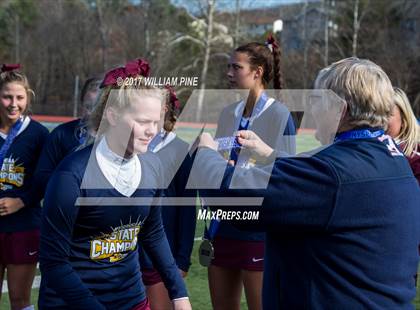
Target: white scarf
(123, 174)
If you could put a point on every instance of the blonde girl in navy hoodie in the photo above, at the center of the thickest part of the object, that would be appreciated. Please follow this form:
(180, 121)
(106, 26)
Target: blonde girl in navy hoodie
(101, 200)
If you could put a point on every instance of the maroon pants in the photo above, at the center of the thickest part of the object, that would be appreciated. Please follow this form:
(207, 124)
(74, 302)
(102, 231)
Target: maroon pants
(17, 248)
(238, 254)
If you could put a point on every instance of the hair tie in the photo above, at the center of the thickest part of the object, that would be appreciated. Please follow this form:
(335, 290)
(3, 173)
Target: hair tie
(131, 69)
(173, 99)
(10, 67)
(271, 43)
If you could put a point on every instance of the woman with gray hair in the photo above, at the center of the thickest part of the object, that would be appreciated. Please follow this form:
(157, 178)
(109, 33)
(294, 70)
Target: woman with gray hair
(342, 225)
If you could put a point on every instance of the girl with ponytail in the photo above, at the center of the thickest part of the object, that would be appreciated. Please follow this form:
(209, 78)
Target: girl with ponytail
(239, 255)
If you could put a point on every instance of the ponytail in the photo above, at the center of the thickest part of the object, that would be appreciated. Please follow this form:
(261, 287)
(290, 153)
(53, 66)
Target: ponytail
(277, 73)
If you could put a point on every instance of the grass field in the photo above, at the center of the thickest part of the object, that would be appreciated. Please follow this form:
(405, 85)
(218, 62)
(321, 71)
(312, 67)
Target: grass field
(197, 277)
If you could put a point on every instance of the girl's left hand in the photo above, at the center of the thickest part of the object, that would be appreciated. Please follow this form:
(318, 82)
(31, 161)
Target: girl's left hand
(182, 304)
(10, 205)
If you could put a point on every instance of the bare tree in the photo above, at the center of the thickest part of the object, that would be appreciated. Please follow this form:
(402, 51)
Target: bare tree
(237, 22)
(146, 27)
(210, 36)
(207, 47)
(103, 32)
(306, 45)
(325, 9)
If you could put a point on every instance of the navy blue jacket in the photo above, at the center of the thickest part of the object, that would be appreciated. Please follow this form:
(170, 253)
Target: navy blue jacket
(17, 177)
(341, 226)
(178, 220)
(88, 254)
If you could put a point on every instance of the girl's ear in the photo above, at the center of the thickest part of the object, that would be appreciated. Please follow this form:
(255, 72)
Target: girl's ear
(111, 116)
(259, 73)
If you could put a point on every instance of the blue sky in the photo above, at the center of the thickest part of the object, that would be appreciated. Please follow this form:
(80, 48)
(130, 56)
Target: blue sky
(192, 5)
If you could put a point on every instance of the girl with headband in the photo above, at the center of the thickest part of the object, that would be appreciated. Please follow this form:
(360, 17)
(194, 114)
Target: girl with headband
(101, 200)
(238, 255)
(21, 141)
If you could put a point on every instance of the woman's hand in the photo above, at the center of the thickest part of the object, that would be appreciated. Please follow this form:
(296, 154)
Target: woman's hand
(206, 140)
(182, 304)
(10, 205)
(253, 143)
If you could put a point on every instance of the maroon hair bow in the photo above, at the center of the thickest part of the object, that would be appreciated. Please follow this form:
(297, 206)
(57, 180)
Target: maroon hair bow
(173, 99)
(272, 41)
(9, 67)
(131, 69)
